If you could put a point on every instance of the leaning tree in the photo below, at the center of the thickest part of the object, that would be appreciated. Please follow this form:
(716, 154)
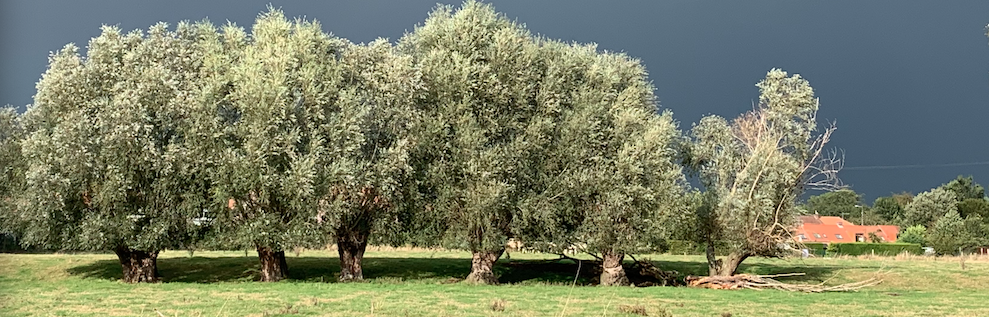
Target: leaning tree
(754, 169)
(479, 134)
(107, 161)
(610, 181)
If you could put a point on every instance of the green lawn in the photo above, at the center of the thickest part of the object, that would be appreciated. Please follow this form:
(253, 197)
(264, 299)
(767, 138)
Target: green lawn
(423, 283)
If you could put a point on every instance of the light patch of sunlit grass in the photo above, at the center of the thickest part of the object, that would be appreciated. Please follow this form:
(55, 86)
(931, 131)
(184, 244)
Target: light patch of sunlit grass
(417, 282)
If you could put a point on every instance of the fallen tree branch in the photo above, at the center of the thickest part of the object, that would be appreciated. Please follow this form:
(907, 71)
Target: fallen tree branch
(760, 282)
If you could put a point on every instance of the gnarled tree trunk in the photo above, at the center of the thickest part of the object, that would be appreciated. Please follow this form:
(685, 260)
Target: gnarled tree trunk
(273, 265)
(351, 244)
(612, 272)
(138, 266)
(726, 266)
(482, 267)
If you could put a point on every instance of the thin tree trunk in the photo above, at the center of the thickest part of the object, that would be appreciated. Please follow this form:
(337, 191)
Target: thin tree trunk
(727, 266)
(713, 263)
(482, 267)
(138, 266)
(273, 265)
(351, 245)
(612, 272)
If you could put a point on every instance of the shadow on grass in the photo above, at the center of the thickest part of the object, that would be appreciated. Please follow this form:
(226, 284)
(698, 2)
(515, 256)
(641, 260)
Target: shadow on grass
(812, 273)
(418, 270)
(305, 269)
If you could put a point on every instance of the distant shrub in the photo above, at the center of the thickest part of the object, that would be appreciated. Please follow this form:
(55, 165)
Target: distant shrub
(687, 247)
(8, 243)
(860, 248)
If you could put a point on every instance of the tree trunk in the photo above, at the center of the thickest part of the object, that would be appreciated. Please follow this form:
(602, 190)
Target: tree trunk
(273, 265)
(726, 266)
(138, 266)
(482, 267)
(351, 245)
(612, 272)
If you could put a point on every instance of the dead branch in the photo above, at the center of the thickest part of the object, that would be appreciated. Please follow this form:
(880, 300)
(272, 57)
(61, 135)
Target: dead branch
(761, 282)
(664, 278)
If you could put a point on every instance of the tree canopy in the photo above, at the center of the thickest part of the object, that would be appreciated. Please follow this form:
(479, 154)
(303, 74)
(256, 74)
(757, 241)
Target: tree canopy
(930, 206)
(108, 164)
(12, 167)
(839, 203)
(466, 133)
(483, 127)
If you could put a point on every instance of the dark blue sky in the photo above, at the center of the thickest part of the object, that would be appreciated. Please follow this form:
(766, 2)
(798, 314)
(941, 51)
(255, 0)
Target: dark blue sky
(906, 81)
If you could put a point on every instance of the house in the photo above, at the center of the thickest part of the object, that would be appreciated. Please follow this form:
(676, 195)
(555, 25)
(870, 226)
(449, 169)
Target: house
(983, 250)
(815, 228)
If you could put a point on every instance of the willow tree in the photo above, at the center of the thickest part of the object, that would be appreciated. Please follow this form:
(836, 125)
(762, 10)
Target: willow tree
(754, 169)
(267, 132)
(108, 165)
(376, 101)
(478, 134)
(611, 182)
(12, 166)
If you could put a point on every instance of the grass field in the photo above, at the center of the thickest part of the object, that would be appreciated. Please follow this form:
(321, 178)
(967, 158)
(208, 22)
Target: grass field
(423, 283)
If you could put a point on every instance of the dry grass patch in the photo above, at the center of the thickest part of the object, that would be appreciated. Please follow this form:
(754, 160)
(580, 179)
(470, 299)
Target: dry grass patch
(633, 309)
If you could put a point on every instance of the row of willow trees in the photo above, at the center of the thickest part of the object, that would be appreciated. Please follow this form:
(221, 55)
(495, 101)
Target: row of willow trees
(467, 132)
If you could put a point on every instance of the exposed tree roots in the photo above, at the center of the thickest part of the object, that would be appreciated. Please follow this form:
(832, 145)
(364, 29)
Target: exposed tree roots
(641, 273)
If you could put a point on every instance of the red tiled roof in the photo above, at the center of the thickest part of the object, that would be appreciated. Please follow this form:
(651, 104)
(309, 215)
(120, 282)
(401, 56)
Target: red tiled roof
(828, 220)
(836, 229)
(809, 219)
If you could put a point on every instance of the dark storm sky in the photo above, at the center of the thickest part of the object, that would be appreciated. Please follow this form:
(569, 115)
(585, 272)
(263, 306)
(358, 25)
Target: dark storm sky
(906, 81)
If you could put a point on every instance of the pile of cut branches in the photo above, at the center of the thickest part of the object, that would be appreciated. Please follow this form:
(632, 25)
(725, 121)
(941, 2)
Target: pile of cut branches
(646, 269)
(760, 282)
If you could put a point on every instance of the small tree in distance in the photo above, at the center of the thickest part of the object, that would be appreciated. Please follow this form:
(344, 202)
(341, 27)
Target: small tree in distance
(887, 208)
(930, 206)
(965, 188)
(914, 234)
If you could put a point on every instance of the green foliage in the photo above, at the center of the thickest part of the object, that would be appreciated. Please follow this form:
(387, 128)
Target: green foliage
(816, 248)
(965, 188)
(914, 234)
(12, 167)
(687, 247)
(285, 133)
(861, 248)
(684, 247)
(554, 143)
(888, 209)
(612, 172)
(481, 127)
(378, 90)
(974, 207)
(948, 234)
(929, 206)
(755, 167)
(841, 203)
(108, 162)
